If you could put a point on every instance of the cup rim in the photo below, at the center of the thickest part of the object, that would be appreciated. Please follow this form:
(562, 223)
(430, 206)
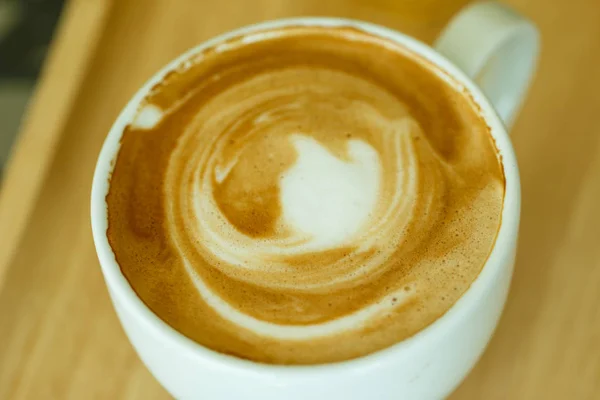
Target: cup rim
(121, 291)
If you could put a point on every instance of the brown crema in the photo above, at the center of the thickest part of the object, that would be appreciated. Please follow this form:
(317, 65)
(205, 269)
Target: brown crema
(308, 196)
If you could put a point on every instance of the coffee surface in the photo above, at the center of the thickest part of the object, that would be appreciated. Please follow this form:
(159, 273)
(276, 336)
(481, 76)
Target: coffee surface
(306, 196)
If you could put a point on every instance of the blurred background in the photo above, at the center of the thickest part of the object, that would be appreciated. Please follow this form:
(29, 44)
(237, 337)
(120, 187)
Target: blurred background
(68, 67)
(26, 28)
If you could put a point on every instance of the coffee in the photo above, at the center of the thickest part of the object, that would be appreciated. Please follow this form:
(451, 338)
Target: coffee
(304, 195)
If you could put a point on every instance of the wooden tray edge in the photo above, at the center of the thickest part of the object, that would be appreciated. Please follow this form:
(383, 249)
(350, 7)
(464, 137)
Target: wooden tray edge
(75, 41)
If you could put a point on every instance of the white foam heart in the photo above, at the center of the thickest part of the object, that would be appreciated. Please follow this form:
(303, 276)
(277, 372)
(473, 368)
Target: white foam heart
(326, 197)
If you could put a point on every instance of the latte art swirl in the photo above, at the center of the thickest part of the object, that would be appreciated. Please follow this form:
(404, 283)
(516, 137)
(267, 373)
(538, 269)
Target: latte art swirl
(290, 193)
(286, 190)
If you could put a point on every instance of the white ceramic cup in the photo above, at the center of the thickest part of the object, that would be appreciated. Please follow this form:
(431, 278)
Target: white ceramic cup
(486, 43)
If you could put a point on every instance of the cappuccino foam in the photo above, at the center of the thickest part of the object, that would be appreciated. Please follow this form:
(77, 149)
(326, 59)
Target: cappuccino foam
(305, 196)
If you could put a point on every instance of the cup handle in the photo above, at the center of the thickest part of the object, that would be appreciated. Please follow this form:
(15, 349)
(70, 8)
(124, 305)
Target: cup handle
(498, 49)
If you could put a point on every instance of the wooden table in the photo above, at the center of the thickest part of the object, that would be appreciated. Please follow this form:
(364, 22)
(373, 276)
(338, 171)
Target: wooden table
(59, 337)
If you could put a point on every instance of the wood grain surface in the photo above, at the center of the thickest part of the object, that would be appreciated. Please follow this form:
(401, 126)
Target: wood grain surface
(60, 338)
